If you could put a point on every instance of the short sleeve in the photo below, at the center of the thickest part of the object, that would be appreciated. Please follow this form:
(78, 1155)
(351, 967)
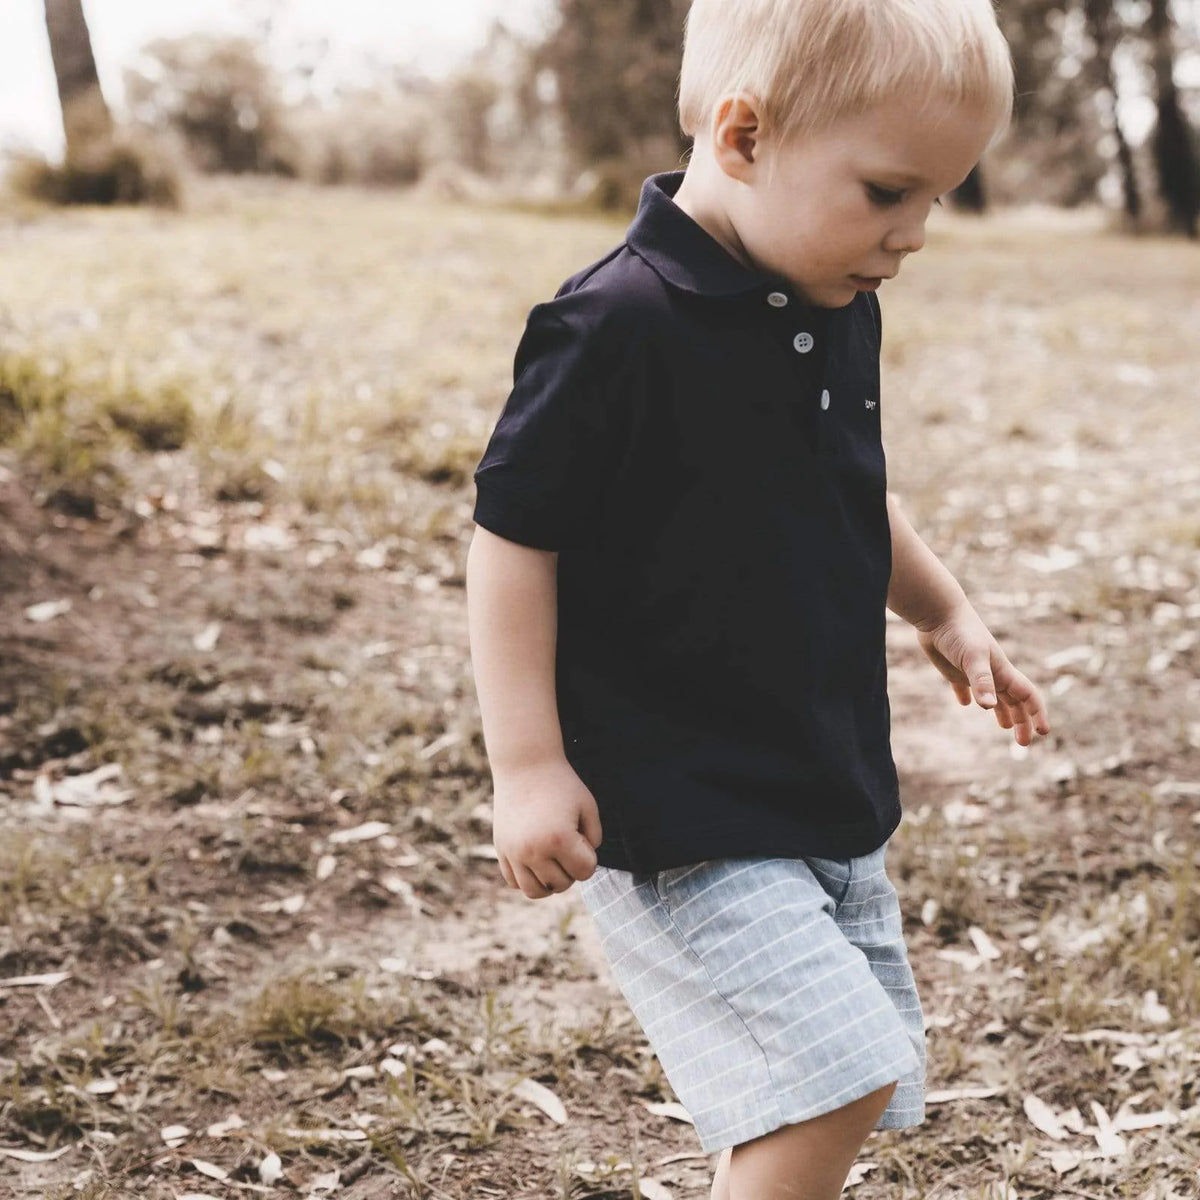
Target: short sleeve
(544, 467)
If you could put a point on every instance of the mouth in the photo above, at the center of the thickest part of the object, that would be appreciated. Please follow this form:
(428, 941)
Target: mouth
(868, 283)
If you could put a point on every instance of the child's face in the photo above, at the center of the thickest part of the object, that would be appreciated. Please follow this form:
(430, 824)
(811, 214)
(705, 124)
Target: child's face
(834, 212)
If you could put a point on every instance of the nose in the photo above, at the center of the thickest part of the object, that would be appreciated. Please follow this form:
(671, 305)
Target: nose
(907, 236)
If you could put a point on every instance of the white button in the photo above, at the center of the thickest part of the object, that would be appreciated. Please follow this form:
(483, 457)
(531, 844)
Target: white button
(777, 300)
(803, 342)
(824, 399)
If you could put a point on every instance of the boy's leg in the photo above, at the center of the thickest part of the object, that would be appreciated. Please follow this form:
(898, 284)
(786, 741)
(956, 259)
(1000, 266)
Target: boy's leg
(808, 1161)
(720, 1183)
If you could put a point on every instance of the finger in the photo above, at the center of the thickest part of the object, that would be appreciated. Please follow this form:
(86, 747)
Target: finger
(530, 884)
(1004, 714)
(554, 878)
(578, 860)
(1021, 695)
(589, 826)
(983, 686)
(507, 871)
(962, 691)
(1030, 715)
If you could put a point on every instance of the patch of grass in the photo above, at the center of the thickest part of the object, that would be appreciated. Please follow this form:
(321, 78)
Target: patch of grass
(73, 423)
(299, 1014)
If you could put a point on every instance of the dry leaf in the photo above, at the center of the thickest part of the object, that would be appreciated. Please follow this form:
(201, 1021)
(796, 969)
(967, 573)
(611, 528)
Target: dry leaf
(438, 745)
(1044, 1118)
(929, 911)
(326, 865)
(326, 1135)
(964, 958)
(1111, 1143)
(983, 944)
(51, 980)
(33, 1156)
(1129, 1058)
(859, 1172)
(967, 1093)
(1152, 1011)
(226, 1127)
(367, 832)
(198, 1196)
(270, 1170)
(91, 790)
(542, 1098)
(102, 1087)
(1128, 1122)
(1120, 1036)
(1067, 1160)
(210, 1169)
(324, 1184)
(484, 851)
(653, 1189)
(206, 640)
(47, 610)
(174, 1135)
(1072, 1119)
(675, 1112)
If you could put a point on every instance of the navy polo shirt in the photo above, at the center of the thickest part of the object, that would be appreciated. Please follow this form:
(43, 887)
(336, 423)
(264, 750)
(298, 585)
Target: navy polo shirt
(702, 449)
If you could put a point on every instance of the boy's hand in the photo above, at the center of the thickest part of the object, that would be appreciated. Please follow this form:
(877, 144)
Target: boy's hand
(965, 652)
(545, 827)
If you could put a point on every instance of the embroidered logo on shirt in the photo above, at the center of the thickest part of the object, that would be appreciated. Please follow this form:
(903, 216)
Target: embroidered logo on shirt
(871, 404)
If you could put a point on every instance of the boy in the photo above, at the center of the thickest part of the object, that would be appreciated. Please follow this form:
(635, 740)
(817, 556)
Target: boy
(683, 556)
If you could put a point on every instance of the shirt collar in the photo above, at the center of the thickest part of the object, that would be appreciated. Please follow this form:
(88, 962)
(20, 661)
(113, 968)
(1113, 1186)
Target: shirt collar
(683, 253)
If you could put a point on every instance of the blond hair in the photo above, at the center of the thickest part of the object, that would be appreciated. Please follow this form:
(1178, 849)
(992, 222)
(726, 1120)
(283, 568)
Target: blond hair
(809, 62)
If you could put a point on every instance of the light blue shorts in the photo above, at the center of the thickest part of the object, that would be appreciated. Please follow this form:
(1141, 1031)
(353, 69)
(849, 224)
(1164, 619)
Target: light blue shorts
(772, 990)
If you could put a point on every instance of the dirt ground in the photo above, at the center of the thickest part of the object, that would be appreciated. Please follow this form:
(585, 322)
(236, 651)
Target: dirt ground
(251, 936)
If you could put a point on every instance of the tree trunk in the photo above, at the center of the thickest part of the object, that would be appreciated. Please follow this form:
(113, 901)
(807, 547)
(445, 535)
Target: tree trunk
(1174, 150)
(1101, 29)
(87, 123)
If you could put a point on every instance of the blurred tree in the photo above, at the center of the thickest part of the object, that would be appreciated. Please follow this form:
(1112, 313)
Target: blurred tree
(1053, 153)
(1173, 140)
(1105, 31)
(219, 96)
(469, 99)
(102, 165)
(87, 123)
(617, 67)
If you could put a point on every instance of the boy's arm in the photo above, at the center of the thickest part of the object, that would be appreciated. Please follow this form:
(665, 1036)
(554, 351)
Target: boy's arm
(951, 633)
(545, 824)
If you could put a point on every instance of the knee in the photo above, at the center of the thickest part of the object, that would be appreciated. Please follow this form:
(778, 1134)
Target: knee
(809, 1160)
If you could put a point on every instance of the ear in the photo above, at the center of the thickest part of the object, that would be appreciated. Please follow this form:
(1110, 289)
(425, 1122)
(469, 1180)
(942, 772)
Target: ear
(736, 134)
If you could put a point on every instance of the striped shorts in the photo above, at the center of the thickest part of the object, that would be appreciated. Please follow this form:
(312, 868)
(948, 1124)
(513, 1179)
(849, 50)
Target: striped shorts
(772, 990)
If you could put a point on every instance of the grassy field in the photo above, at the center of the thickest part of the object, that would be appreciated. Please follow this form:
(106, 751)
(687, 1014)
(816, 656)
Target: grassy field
(250, 936)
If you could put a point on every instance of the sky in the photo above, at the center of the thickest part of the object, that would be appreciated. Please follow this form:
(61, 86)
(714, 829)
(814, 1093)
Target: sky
(429, 34)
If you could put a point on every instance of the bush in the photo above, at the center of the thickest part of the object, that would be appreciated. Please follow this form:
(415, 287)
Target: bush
(131, 170)
(371, 137)
(219, 97)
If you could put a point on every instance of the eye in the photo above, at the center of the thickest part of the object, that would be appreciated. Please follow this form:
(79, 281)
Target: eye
(882, 196)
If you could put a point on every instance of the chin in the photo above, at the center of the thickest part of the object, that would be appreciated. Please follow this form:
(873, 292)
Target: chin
(834, 297)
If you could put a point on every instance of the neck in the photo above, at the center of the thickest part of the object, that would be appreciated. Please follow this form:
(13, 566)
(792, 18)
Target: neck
(703, 196)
